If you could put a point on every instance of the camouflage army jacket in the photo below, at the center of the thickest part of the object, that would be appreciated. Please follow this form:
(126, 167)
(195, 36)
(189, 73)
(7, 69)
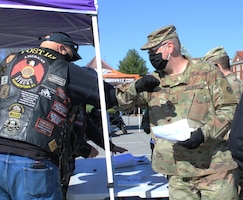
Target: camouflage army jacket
(236, 84)
(203, 96)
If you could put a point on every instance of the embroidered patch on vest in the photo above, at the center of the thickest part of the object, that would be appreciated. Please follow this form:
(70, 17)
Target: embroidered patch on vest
(44, 127)
(46, 92)
(52, 145)
(61, 93)
(55, 118)
(56, 79)
(3, 68)
(4, 91)
(60, 108)
(10, 58)
(28, 71)
(11, 126)
(4, 80)
(15, 110)
(28, 98)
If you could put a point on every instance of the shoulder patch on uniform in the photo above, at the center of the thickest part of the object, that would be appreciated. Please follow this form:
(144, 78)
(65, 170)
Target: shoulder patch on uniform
(230, 90)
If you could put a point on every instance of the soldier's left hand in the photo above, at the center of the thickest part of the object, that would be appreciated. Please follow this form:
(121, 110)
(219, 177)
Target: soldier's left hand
(194, 141)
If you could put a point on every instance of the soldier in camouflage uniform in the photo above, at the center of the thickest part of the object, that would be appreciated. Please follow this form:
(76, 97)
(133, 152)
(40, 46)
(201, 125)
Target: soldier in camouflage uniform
(220, 58)
(200, 166)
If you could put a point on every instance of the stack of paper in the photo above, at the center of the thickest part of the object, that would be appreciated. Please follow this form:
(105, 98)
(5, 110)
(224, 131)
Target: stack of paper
(176, 131)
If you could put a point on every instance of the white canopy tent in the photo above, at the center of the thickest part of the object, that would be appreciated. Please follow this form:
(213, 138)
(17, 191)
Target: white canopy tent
(24, 21)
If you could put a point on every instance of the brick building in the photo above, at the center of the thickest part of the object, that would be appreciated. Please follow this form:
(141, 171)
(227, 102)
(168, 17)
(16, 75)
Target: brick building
(237, 64)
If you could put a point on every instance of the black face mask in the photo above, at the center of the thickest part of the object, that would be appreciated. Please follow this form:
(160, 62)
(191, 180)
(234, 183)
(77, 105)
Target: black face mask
(157, 61)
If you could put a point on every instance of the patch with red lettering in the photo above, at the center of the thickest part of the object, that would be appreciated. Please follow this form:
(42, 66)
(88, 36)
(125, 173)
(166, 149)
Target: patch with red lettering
(29, 71)
(60, 108)
(44, 127)
(55, 118)
(61, 93)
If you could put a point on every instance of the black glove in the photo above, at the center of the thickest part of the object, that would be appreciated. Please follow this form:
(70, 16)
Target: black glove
(194, 141)
(146, 83)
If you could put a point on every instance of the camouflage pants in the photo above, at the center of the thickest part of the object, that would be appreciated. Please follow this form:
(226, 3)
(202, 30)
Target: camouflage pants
(220, 186)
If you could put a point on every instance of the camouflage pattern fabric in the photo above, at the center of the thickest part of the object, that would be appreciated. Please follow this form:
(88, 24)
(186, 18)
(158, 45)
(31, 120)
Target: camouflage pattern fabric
(203, 96)
(204, 188)
(236, 84)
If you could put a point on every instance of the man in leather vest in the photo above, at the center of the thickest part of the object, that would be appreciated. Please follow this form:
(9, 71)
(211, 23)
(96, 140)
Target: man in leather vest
(40, 92)
(84, 128)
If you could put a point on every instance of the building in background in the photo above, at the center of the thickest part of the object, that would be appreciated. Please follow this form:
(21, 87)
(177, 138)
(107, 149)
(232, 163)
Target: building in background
(237, 64)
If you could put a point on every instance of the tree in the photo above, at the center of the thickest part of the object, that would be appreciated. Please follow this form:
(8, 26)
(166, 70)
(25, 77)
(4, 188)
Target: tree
(133, 64)
(184, 51)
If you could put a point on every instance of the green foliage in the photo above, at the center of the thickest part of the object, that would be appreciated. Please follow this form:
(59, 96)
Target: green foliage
(133, 64)
(184, 51)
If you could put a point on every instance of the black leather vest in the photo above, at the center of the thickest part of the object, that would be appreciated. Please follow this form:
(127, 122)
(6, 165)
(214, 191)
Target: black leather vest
(34, 102)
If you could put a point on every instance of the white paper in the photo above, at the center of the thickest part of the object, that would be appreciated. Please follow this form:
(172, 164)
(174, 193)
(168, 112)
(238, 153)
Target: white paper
(176, 131)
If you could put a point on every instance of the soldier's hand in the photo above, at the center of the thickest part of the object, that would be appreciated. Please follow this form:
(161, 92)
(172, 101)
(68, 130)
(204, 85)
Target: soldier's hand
(146, 83)
(194, 141)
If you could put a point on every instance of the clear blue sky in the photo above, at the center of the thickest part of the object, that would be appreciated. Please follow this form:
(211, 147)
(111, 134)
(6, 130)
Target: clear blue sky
(201, 25)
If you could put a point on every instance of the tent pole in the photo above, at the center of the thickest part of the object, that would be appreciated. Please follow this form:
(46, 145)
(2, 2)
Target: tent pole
(103, 108)
(139, 120)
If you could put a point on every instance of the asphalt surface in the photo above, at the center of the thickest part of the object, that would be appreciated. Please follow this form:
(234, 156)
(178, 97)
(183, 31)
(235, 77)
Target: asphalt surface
(136, 140)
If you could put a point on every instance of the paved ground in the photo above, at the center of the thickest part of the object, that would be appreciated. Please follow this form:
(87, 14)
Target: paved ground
(136, 141)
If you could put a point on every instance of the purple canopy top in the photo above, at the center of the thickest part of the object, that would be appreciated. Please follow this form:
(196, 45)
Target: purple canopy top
(24, 21)
(83, 6)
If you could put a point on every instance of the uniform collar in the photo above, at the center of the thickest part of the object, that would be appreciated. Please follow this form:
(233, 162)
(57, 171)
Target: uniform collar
(179, 79)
